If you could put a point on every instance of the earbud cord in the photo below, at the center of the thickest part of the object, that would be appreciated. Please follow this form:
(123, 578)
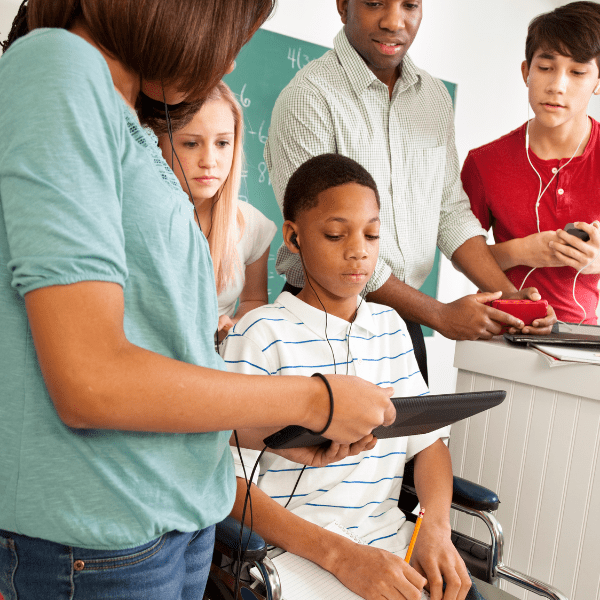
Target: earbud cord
(542, 192)
(332, 354)
(324, 310)
(575, 281)
(247, 501)
(173, 152)
(248, 498)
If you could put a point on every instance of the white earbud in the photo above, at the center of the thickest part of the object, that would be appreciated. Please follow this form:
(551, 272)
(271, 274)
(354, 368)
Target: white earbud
(597, 88)
(527, 82)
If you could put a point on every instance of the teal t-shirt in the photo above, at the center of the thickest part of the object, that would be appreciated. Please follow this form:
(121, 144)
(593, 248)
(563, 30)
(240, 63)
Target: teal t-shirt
(84, 195)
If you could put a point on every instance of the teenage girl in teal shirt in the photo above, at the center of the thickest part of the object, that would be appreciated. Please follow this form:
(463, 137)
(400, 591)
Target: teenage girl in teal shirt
(115, 408)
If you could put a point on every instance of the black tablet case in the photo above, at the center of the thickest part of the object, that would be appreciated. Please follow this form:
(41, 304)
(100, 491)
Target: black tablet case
(414, 415)
(573, 340)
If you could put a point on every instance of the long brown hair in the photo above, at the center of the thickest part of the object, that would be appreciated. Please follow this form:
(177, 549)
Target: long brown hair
(188, 44)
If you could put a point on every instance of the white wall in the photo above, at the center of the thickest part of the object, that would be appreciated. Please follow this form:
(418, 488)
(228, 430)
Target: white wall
(478, 44)
(8, 11)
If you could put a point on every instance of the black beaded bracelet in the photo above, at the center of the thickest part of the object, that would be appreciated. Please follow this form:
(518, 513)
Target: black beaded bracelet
(324, 379)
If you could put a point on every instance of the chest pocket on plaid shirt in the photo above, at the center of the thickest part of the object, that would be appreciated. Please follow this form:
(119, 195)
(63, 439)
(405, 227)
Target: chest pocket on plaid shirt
(425, 170)
(421, 185)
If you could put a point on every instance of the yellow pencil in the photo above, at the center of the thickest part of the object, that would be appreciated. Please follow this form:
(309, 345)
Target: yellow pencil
(413, 539)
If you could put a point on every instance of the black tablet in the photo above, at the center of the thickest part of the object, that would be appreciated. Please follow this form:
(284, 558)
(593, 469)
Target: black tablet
(414, 415)
(575, 340)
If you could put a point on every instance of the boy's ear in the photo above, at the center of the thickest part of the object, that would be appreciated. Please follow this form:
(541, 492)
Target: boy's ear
(525, 72)
(290, 237)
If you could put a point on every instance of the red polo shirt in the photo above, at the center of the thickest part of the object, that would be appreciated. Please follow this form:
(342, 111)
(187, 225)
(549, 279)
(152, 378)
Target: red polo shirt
(503, 189)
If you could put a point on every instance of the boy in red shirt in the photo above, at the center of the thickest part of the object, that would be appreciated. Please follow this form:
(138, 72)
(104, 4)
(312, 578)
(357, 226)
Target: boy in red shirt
(530, 183)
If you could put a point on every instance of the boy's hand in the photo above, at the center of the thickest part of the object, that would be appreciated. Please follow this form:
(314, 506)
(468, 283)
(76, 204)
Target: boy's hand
(321, 456)
(570, 251)
(437, 559)
(375, 574)
(539, 326)
(536, 250)
(223, 327)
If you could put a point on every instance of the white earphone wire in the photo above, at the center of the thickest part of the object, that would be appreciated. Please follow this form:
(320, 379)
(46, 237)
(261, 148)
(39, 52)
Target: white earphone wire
(542, 192)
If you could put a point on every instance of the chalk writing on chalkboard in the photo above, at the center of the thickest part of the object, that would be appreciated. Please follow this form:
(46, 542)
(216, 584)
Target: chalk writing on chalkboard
(264, 67)
(298, 59)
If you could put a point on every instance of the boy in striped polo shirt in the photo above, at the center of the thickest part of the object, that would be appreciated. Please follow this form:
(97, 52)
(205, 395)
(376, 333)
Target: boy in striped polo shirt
(331, 207)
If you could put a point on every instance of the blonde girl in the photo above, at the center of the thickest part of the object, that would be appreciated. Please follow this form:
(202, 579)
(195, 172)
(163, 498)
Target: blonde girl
(208, 161)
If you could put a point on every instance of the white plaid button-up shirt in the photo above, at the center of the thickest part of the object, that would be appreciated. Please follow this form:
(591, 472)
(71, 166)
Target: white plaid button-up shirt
(336, 104)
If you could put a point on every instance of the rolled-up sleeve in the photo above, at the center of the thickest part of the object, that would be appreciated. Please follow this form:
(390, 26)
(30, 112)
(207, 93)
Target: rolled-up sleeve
(60, 171)
(416, 443)
(457, 221)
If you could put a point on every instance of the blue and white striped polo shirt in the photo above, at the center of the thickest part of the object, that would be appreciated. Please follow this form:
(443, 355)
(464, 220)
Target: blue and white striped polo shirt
(361, 492)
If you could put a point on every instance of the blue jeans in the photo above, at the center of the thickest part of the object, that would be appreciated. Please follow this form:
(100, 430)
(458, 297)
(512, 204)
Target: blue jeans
(174, 566)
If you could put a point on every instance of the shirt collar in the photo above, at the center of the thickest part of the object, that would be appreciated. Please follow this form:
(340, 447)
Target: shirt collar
(555, 162)
(314, 318)
(360, 76)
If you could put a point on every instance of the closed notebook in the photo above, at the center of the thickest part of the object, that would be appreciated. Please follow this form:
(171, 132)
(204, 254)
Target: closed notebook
(579, 355)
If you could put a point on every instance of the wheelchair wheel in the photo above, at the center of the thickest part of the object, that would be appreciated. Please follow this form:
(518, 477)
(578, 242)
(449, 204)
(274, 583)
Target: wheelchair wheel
(217, 590)
(212, 592)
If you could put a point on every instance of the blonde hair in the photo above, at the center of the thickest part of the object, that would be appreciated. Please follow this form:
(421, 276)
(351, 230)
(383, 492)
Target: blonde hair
(226, 217)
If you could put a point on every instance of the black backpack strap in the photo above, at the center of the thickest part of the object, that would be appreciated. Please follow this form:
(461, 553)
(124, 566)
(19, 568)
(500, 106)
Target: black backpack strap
(418, 341)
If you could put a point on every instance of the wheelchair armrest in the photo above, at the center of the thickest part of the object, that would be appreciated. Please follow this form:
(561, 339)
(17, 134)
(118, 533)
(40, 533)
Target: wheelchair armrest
(464, 493)
(472, 495)
(227, 538)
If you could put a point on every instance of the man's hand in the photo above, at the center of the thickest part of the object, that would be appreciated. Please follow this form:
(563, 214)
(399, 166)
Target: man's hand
(321, 456)
(375, 574)
(570, 251)
(436, 558)
(469, 318)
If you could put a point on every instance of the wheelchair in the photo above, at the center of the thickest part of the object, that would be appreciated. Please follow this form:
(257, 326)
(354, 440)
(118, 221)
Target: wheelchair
(484, 560)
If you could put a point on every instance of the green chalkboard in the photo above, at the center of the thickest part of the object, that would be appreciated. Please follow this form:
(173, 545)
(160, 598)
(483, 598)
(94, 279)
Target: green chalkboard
(263, 68)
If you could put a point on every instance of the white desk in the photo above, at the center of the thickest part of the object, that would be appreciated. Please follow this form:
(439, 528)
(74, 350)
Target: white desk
(540, 451)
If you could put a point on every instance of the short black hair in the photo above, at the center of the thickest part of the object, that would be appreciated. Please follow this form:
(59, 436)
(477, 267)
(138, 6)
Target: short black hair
(319, 174)
(571, 30)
